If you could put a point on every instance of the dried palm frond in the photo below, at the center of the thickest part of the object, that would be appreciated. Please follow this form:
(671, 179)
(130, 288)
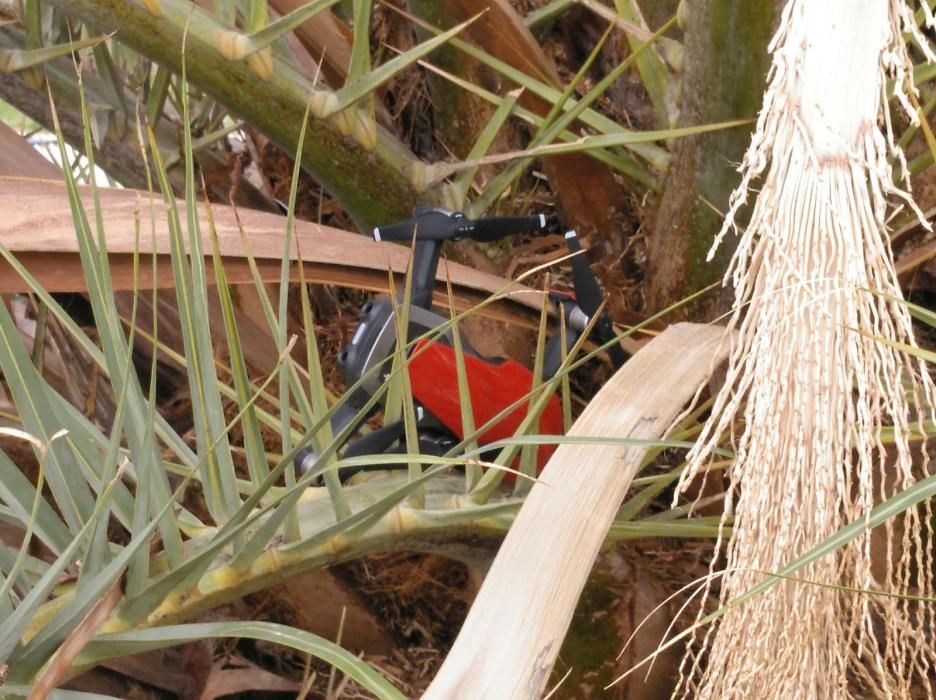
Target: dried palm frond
(815, 285)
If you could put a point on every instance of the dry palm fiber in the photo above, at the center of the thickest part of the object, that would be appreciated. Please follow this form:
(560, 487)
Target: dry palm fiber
(810, 387)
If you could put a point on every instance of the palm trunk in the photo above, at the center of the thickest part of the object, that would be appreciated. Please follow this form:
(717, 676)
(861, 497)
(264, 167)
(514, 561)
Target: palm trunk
(726, 62)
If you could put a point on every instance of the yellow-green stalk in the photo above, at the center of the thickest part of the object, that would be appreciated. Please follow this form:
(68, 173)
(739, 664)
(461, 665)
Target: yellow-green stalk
(815, 283)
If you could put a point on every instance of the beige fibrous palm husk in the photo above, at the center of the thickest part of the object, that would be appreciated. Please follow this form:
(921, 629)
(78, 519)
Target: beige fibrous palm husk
(812, 389)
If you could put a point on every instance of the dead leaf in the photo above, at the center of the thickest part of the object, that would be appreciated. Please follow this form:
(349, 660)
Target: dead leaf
(245, 676)
(58, 665)
(20, 159)
(37, 228)
(318, 598)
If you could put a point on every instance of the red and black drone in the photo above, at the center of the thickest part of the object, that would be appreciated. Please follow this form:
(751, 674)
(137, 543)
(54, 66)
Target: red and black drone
(494, 383)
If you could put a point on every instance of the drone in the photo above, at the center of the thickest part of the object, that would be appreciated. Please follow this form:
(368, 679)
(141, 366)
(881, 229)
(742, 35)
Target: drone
(494, 384)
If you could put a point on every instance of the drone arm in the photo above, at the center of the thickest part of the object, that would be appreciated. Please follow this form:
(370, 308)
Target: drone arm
(425, 263)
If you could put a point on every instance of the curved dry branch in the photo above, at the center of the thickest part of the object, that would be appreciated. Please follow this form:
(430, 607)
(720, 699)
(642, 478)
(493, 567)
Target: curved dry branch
(510, 641)
(38, 229)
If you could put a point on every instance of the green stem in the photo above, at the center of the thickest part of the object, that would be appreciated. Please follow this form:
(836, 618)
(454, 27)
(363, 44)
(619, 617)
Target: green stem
(118, 155)
(374, 186)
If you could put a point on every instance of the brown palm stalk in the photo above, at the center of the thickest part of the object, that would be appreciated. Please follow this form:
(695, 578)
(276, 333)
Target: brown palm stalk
(815, 285)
